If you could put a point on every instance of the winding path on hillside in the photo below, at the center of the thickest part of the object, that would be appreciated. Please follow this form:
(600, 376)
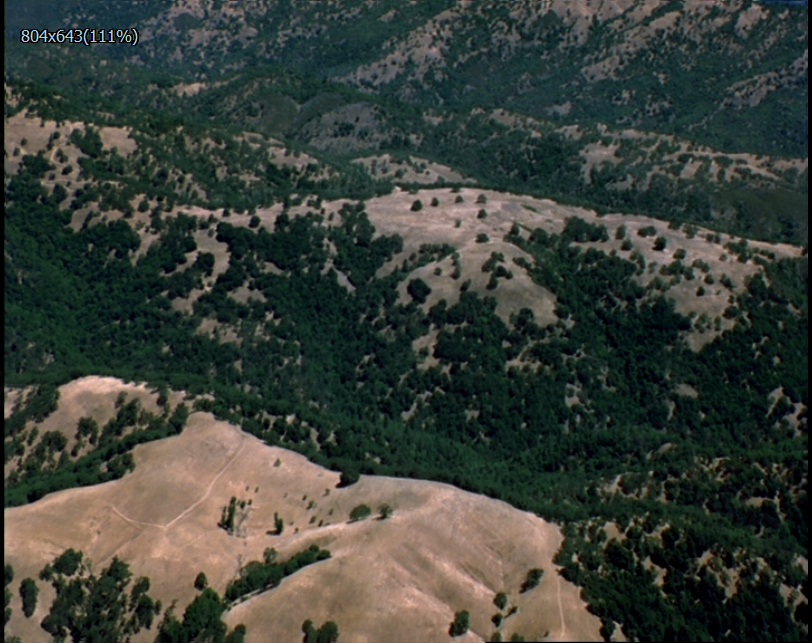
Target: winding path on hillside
(563, 634)
(193, 505)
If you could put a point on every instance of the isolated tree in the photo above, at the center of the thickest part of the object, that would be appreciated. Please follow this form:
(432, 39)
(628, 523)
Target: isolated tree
(360, 513)
(417, 205)
(278, 524)
(384, 511)
(201, 582)
(460, 624)
(29, 592)
(500, 600)
(227, 516)
(660, 243)
(532, 579)
(435, 202)
(481, 199)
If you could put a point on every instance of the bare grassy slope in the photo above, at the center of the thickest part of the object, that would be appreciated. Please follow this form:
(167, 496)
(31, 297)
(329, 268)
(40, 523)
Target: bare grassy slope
(442, 550)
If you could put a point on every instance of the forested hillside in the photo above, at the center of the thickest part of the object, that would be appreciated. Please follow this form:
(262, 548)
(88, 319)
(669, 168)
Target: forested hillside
(683, 109)
(598, 314)
(731, 73)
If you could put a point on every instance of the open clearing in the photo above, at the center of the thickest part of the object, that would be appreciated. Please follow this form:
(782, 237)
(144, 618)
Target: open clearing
(400, 579)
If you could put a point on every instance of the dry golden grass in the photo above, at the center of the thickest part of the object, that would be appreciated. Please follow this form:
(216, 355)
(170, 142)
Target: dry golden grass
(400, 579)
(413, 170)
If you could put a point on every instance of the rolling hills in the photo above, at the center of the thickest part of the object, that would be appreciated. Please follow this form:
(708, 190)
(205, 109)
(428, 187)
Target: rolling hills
(370, 311)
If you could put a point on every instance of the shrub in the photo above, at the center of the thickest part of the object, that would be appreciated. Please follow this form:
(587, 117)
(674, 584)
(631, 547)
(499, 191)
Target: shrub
(201, 582)
(360, 513)
(29, 592)
(460, 624)
(532, 579)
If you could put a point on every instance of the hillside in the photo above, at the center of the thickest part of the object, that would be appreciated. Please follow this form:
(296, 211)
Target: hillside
(527, 283)
(682, 109)
(442, 550)
(732, 72)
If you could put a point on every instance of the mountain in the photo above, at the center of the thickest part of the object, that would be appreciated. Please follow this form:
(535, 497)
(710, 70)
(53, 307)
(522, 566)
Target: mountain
(732, 73)
(421, 253)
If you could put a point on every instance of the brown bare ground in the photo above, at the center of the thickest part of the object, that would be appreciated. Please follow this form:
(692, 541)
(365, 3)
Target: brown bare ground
(401, 579)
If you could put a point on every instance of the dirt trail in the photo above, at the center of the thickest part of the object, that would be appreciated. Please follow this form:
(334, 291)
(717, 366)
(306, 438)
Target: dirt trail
(563, 634)
(191, 507)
